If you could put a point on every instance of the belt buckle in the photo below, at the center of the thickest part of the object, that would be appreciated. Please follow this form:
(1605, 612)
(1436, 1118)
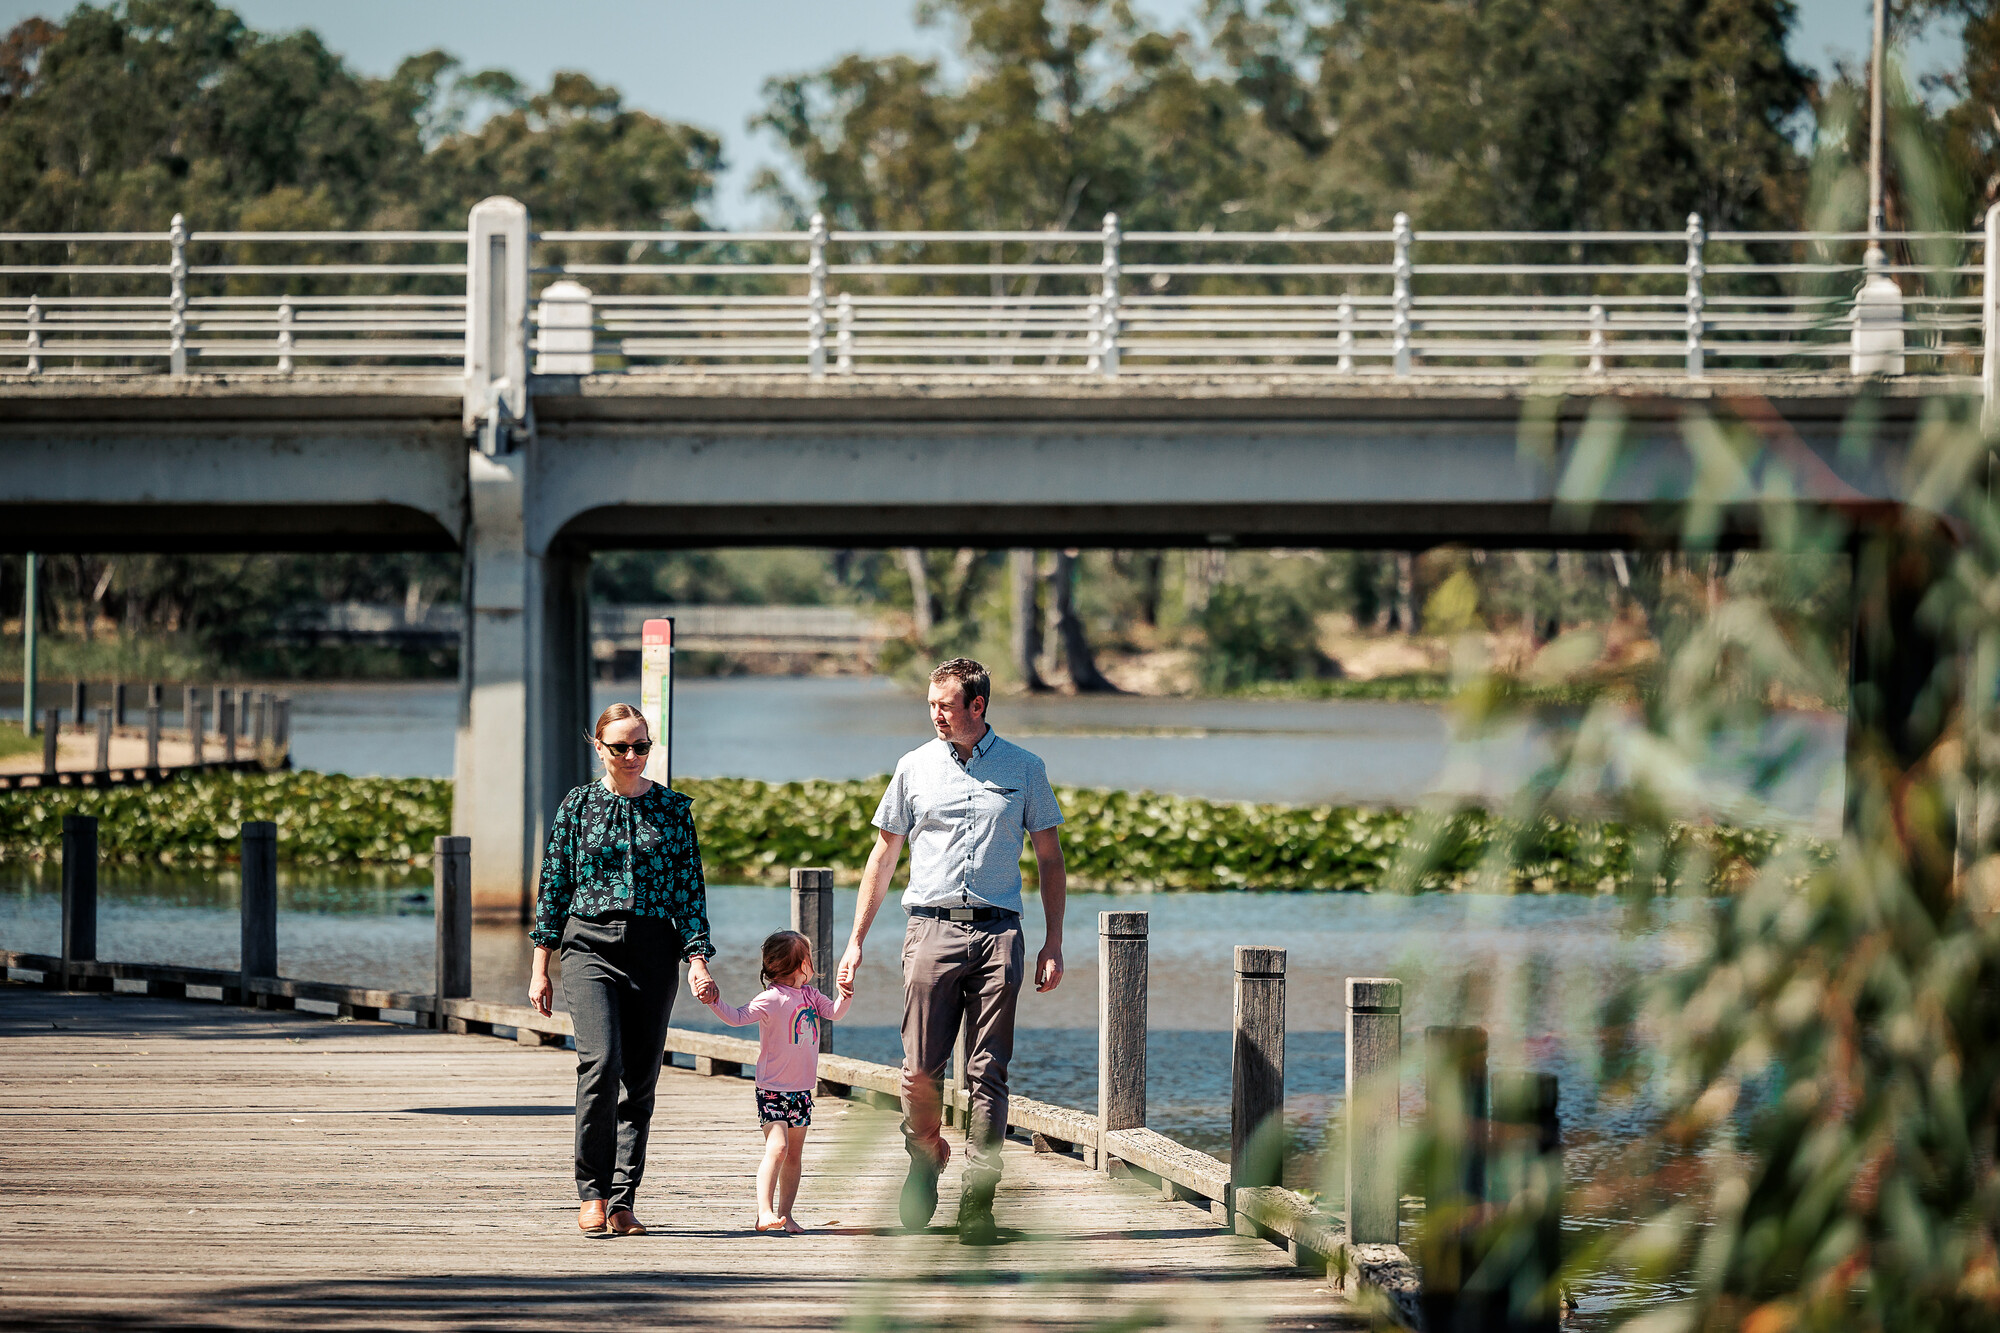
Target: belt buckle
(959, 913)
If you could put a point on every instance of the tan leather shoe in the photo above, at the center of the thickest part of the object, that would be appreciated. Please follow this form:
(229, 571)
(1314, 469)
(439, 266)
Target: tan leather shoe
(590, 1219)
(625, 1223)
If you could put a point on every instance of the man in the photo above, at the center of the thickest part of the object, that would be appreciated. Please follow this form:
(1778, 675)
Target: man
(962, 802)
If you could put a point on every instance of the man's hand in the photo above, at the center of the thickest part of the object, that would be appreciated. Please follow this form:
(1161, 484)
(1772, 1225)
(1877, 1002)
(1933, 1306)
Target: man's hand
(1048, 967)
(701, 983)
(850, 963)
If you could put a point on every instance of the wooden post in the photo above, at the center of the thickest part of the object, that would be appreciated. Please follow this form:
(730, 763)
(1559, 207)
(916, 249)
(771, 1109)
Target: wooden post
(1122, 965)
(1454, 1174)
(225, 723)
(281, 729)
(451, 880)
(1374, 1059)
(103, 740)
(153, 732)
(79, 895)
(79, 700)
(1527, 1181)
(260, 714)
(118, 703)
(192, 719)
(1257, 1070)
(51, 724)
(260, 903)
(812, 917)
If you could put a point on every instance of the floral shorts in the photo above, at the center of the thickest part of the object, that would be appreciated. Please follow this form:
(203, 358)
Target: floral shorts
(784, 1108)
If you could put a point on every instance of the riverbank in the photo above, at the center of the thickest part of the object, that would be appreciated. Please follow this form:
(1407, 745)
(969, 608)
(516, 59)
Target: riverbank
(753, 832)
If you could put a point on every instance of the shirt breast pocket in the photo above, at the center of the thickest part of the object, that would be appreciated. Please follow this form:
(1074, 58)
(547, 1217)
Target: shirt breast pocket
(995, 800)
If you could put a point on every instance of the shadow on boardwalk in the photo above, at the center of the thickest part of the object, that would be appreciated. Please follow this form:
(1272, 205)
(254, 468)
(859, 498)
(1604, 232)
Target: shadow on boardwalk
(181, 1165)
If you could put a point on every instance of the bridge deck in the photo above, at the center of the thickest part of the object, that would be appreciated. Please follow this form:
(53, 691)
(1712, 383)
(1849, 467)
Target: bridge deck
(179, 1164)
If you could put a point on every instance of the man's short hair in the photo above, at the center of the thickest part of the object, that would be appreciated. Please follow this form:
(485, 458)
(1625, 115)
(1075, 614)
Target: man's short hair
(971, 676)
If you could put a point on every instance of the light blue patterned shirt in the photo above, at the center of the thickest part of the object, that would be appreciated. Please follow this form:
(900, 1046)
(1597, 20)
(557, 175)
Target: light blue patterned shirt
(965, 820)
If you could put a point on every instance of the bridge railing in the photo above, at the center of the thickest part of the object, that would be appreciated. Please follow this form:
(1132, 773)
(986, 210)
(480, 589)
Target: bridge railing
(827, 303)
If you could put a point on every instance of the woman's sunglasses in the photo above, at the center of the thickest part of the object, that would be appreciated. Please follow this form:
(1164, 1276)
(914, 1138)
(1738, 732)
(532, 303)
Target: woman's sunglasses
(619, 749)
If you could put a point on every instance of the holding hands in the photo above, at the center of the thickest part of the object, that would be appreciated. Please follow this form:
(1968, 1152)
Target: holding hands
(701, 983)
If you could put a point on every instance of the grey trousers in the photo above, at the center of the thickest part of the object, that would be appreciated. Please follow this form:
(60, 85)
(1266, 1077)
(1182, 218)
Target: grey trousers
(618, 979)
(960, 972)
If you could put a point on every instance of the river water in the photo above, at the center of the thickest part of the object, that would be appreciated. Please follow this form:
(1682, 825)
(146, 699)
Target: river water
(1534, 970)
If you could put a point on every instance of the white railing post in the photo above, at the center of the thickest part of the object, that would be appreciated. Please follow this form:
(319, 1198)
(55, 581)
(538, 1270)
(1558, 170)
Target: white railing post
(816, 300)
(1990, 305)
(565, 330)
(177, 297)
(1695, 274)
(1346, 341)
(844, 339)
(35, 368)
(1402, 294)
(285, 335)
(1599, 339)
(1107, 337)
(496, 323)
(1093, 322)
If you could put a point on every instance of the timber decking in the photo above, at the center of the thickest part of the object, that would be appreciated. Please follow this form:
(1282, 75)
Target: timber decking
(174, 1164)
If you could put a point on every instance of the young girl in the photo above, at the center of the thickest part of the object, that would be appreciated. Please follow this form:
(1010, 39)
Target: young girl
(787, 1013)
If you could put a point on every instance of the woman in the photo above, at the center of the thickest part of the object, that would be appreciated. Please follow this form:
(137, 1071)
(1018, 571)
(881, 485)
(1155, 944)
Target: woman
(622, 896)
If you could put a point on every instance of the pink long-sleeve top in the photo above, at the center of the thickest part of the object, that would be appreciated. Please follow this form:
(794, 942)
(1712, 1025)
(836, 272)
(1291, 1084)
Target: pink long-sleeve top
(787, 1019)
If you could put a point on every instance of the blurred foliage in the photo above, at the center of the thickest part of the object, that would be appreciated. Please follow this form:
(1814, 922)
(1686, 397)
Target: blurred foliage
(322, 818)
(1820, 1069)
(118, 117)
(754, 832)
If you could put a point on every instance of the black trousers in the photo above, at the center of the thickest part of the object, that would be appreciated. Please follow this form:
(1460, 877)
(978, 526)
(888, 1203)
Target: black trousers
(618, 978)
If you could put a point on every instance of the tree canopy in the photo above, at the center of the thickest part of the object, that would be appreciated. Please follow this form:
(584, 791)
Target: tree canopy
(119, 117)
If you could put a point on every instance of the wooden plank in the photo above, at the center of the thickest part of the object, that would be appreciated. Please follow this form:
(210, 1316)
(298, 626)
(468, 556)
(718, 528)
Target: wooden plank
(280, 1170)
(1155, 1152)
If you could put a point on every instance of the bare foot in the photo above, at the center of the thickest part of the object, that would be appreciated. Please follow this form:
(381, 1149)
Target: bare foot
(770, 1222)
(793, 1228)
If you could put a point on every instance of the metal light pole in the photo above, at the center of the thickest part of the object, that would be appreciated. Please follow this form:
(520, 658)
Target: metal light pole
(1875, 259)
(28, 606)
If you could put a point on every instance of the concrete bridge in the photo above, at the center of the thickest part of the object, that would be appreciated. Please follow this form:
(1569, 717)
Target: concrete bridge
(549, 437)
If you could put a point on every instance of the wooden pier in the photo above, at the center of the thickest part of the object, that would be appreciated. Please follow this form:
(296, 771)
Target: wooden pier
(171, 1163)
(339, 1156)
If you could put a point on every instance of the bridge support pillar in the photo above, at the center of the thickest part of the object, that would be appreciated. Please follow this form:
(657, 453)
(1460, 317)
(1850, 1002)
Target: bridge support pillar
(524, 681)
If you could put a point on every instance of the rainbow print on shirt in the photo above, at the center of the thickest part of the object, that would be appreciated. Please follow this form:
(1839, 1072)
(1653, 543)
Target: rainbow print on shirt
(806, 1018)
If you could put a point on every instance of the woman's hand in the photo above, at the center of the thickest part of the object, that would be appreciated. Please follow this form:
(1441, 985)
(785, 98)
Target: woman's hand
(701, 983)
(540, 993)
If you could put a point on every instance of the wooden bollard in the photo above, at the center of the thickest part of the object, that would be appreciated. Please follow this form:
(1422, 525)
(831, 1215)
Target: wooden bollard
(1526, 1180)
(153, 733)
(451, 889)
(118, 703)
(79, 701)
(79, 895)
(260, 722)
(281, 727)
(1454, 1175)
(51, 725)
(191, 718)
(1257, 1070)
(260, 904)
(103, 740)
(1374, 1087)
(812, 917)
(1122, 966)
(225, 723)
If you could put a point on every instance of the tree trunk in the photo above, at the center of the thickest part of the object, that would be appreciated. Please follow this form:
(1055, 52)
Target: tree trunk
(1149, 588)
(1406, 592)
(1083, 673)
(965, 581)
(1026, 628)
(924, 610)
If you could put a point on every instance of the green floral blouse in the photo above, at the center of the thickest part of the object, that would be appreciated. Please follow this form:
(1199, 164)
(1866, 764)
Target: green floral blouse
(610, 853)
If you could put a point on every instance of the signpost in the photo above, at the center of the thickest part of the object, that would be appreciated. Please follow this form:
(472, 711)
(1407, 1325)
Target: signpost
(656, 696)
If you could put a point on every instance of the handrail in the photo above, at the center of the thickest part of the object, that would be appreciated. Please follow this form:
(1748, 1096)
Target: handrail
(824, 302)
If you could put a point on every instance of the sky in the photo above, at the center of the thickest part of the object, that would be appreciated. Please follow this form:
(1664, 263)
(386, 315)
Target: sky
(705, 63)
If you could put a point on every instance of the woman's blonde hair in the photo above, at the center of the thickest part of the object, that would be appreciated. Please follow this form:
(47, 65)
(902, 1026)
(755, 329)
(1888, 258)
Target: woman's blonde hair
(618, 713)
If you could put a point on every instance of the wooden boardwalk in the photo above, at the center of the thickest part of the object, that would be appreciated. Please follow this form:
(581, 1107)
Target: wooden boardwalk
(175, 1164)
